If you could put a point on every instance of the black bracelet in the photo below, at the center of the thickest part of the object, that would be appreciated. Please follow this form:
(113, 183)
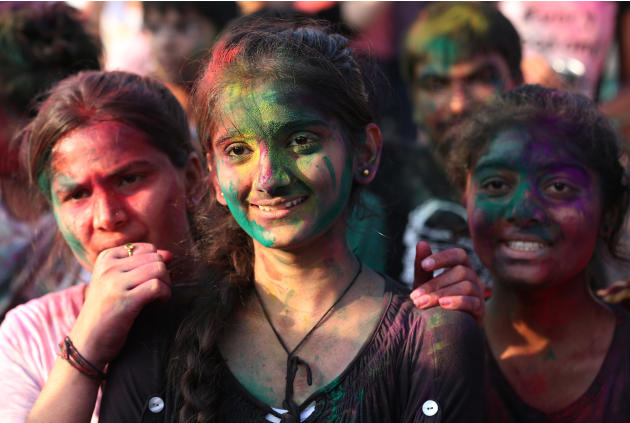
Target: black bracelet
(68, 352)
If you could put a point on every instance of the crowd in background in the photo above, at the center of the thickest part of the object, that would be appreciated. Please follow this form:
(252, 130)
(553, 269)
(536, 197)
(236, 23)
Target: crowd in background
(434, 67)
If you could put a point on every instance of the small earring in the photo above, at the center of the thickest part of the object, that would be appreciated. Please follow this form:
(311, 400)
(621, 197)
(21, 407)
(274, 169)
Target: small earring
(366, 172)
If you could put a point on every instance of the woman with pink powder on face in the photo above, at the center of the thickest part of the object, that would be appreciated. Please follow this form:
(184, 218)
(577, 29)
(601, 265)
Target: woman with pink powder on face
(112, 154)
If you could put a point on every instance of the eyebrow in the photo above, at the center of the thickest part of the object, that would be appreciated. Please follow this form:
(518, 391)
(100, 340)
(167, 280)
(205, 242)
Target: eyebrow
(276, 128)
(71, 186)
(498, 163)
(433, 72)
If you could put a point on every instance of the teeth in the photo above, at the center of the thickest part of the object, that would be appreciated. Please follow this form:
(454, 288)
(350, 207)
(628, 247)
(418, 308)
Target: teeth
(286, 205)
(525, 245)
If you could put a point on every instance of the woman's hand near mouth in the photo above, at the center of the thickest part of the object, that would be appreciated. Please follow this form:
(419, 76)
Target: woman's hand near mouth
(124, 280)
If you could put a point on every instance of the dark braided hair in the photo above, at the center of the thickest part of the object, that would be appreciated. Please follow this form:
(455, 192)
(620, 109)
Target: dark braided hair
(300, 54)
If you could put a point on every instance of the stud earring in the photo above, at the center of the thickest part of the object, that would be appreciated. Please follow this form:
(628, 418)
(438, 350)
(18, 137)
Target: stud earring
(366, 172)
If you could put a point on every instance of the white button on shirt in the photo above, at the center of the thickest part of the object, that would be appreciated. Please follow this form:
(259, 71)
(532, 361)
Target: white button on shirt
(156, 404)
(429, 408)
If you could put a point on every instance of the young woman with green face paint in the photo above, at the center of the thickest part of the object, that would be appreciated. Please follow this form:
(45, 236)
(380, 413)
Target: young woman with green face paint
(543, 184)
(302, 330)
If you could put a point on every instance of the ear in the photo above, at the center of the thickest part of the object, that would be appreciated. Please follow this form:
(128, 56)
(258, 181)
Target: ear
(368, 155)
(466, 192)
(193, 181)
(213, 180)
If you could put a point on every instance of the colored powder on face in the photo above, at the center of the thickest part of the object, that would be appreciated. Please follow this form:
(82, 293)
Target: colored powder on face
(256, 115)
(252, 228)
(74, 243)
(43, 183)
(443, 53)
(501, 150)
(342, 198)
(456, 19)
(331, 170)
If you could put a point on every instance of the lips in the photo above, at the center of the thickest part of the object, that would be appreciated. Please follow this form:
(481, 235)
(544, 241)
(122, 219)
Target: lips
(279, 204)
(276, 208)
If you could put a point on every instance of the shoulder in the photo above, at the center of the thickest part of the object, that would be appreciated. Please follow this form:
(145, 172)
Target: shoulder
(439, 357)
(434, 326)
(445, 332)
(57, 309)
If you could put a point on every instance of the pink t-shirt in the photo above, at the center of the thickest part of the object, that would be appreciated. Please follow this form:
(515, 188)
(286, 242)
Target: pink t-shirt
(29, 336)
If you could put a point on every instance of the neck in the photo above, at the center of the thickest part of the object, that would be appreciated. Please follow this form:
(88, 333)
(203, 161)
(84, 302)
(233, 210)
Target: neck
(551, 313)
(305, 280)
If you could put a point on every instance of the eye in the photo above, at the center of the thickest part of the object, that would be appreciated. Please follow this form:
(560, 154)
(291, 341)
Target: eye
(304, 142)
(495, 186)
(77, 194)
(130, 179)
(488, 75)
(560, 189)
(432, 83)
(302, 138)
(237, 150)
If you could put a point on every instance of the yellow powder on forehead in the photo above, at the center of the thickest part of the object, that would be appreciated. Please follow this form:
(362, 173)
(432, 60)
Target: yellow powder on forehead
(450, 21)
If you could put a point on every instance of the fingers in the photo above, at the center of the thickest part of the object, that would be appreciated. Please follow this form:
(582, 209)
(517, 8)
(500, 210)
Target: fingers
(460, 288)
(129, 250)
(154, 269)
(472, 305)
(447, 258)
(151, 290)
(457, 288)
(130, 265)
(450, 299)
(420, 275)
(454, 276)
(166, 255)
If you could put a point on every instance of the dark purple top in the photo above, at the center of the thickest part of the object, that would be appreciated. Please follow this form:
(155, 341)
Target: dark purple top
(417, 366)
(607, 400)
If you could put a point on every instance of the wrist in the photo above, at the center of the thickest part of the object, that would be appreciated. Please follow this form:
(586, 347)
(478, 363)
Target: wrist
(69, 353)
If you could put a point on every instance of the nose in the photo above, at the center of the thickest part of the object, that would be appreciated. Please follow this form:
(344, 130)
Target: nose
(108, 212)
(526, 209)
(273, 172)
(458, 102)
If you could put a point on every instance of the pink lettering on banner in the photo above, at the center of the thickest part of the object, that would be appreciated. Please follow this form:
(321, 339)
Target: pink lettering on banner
(573, 37)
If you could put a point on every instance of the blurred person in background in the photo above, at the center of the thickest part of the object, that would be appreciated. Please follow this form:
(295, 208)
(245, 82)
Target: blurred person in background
(179, 34)
(456, 58)
(40, 43)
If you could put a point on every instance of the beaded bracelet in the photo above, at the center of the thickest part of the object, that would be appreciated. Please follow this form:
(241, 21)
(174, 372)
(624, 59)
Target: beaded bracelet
(69, 353)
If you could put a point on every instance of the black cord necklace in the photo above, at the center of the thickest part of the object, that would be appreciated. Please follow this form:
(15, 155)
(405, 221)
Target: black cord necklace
(293, 361)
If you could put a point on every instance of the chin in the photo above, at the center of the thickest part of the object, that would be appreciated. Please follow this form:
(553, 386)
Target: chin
(523, 278)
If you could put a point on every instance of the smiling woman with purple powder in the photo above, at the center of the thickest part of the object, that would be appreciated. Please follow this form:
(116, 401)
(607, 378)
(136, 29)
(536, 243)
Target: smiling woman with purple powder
(543, 183)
